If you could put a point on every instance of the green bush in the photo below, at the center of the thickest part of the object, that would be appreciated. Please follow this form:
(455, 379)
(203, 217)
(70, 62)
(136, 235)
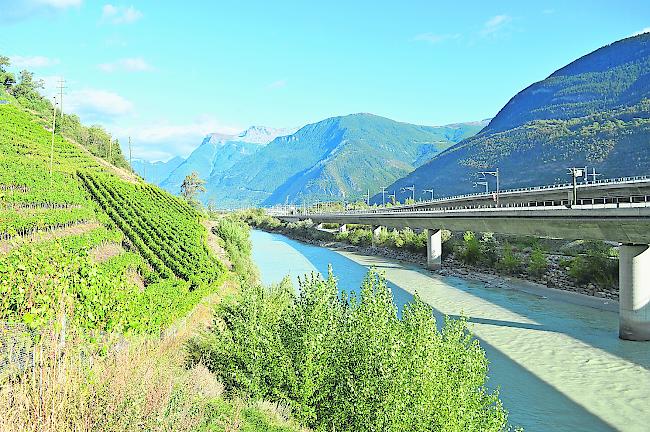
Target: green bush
(470, 251)
(594, 267)
(510, 261)
(488, 248)
(350, 364)
(236, 237)
(538, 262)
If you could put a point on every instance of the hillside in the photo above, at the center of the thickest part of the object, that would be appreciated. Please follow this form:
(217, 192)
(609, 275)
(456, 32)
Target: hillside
(593, 112)
(86, 220)
(338, 155)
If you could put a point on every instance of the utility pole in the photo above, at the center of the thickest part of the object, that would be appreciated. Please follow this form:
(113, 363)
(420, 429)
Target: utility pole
(430, 191)
(52, 146)
(130, 154)
(110, 150)
(61, 87)
(368, 198)
(383, 196)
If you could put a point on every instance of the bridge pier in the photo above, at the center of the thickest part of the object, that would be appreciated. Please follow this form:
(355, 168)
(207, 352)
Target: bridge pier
(376, 231)
(434, 249)
(634, 292)
(343, 228)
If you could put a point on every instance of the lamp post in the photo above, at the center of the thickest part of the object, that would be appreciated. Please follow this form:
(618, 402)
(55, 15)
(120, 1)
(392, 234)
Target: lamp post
(410, 188)
(494, 173)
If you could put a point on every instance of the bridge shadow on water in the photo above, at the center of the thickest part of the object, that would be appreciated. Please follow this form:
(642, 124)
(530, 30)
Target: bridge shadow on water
(534, 403)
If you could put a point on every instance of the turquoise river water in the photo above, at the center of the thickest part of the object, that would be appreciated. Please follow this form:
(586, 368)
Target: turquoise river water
(559, 366)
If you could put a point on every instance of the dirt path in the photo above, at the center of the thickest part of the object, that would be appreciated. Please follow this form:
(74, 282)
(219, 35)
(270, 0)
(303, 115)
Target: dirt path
(104, 252)
(7, 245)
(213, 243)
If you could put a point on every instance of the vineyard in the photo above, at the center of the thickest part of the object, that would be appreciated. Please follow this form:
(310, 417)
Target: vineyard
(165, 231)
(163, 266)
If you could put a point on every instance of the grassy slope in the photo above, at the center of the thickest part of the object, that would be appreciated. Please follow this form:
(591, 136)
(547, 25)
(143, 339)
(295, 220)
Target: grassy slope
(50, 231)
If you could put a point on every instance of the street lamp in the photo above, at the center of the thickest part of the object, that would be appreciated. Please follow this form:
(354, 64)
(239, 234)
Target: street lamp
(496, 175)
(410, 188)
(430, 191)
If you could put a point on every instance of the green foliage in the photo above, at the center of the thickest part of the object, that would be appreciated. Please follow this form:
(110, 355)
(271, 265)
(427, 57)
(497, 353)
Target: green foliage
(510, 262)
(235, 234)
(470, 252)
(40, 282)
(192, 185)
(350, 364)
(488, 247)
(164, 229)
(594, 267)
(538, 262)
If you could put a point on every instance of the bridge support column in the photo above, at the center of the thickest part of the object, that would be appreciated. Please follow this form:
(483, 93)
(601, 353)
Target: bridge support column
(343, 228)
(376, 231)
(634, 292)
(319, 226)
(434, 249)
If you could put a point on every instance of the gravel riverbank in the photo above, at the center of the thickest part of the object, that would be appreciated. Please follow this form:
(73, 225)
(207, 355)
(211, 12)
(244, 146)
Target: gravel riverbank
(555, 278)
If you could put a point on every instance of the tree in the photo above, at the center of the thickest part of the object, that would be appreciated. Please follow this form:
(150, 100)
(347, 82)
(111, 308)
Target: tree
(7, 79)
(192, 185)
(27, 87)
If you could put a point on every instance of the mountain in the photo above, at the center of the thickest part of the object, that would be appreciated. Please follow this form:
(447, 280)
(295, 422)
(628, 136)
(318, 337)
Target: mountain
(340, 155)
(593, 112)
(218, 153)
(156, 172)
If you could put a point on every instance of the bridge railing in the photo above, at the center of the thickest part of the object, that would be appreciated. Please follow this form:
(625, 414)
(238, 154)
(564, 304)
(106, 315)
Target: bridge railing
(489, 195)
(587, 203)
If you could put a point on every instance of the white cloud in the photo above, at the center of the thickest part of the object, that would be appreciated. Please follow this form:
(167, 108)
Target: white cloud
(135, 64)
(548, 11)
(97, 105)
(277, 84)
(60, 4)
(161, 140)
(495, 24)
(12, 11)
(120, 14)
(644, 30)
(30, 62)
(435, 38)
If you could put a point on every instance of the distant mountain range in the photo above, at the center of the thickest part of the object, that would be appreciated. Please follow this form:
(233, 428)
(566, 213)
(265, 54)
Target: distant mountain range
(593, 112)
(335, 157)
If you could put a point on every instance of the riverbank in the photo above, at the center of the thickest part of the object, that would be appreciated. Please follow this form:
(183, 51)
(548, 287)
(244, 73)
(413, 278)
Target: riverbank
(554, 283)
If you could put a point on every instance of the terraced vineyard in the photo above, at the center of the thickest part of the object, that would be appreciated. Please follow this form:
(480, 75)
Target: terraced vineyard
(165, 230)
(52, 227)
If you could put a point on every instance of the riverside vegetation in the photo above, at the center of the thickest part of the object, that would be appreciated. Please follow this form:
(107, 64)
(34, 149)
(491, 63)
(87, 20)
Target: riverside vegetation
(107, 280)
(588, 267)
(347, 363)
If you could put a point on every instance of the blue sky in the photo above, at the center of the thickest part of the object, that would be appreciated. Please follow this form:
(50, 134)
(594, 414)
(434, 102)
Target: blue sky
(167, 75)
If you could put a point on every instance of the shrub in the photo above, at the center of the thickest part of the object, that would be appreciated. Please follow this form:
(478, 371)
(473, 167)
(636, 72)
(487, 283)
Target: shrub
(538, 262)
(594, 267)
(470, 251)
(350, 364)
(488, 248)
(509, 262)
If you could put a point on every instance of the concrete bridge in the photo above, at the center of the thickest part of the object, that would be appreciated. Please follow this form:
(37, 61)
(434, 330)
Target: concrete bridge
(617, 212)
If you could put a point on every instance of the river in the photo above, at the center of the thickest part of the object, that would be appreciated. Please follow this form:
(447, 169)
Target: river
(559, 366)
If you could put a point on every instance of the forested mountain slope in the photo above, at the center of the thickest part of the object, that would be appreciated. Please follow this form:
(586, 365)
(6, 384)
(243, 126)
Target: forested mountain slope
(331, 158)
(594, 112)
